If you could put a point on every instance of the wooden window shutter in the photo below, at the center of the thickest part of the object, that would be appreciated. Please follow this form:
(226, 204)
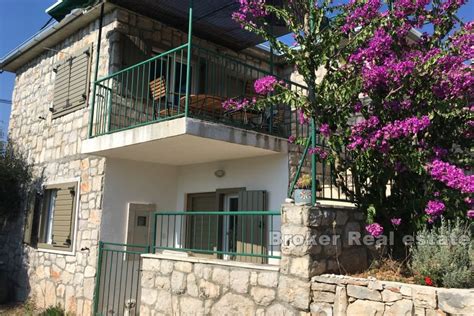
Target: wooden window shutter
(64, 205)
(251, 230)
(71, 86)
(30, 234)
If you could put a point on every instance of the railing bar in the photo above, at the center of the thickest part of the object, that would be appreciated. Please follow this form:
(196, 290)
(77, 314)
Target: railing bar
(120, 286)
(120, 245)
(174, 231)
(126, 279)
(144, 62)
(138, 280)
(148, 91)
(103, 283)
(132, 278)
(110, 278)
(194, 213)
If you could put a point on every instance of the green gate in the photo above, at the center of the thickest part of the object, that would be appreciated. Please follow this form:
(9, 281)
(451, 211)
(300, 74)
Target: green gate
(117, 290)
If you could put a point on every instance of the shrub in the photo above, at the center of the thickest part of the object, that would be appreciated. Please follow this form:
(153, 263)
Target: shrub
(57, 310)
(445, 255)
(15, 180)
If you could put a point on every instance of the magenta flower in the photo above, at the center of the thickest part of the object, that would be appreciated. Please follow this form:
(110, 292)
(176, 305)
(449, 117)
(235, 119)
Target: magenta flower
(325, 130)
(319, 152)
(435, 208)
(470, 214)
(396, 221)
(302, 118)
(451, 176)
(374, 229)
(292, 139)
(265, 85)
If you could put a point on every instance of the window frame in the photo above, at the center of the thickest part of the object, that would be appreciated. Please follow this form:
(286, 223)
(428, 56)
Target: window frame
(49, 248)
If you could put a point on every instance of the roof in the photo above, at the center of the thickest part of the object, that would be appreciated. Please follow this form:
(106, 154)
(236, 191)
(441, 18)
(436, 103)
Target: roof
(212, 19)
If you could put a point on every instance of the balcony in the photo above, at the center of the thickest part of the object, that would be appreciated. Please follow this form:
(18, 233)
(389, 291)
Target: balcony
(155, 103)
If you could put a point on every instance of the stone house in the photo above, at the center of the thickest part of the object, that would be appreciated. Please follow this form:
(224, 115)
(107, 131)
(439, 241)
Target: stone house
(153, 197)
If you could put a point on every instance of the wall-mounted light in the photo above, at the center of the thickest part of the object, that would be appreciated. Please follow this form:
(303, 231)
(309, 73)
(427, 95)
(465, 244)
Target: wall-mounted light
(219, 173)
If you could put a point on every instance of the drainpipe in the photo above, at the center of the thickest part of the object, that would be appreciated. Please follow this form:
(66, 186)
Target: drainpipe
(188, 67)
(96, 72)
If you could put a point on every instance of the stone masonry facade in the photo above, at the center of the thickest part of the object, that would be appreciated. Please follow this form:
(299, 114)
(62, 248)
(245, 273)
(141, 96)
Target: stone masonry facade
(342, 295)
(53, 146)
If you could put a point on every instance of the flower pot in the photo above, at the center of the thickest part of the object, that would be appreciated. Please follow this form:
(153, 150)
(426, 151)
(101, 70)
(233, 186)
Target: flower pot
(302, 196)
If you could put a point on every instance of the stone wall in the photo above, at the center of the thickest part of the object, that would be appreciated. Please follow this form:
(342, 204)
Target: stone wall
(173, 285)
(342, 295)
(317, 240)
(53, 146)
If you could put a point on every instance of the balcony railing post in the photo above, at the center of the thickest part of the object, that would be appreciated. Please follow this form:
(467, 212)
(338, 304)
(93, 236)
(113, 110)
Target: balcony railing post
(313, 162)
(188, 68)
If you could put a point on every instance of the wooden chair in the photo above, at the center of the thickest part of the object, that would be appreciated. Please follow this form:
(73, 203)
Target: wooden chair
(158, 93)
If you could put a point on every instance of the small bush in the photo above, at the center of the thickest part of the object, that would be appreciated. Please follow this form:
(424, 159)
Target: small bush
(57, 310)
(444, 256)
(15, 180)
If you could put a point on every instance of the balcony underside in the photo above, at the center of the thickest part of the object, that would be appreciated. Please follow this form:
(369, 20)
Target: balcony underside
(184, 141)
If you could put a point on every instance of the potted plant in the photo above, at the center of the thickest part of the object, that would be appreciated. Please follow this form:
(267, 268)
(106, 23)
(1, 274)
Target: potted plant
(302, 194)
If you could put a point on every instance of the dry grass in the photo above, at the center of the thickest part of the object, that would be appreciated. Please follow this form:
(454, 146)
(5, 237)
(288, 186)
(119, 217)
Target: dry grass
(388, 270)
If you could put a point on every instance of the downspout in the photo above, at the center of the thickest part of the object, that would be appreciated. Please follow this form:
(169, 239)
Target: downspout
(188, 68)
(96, 72)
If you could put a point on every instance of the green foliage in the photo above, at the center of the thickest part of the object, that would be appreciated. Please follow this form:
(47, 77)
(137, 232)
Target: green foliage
(15, 180)
(304, 182)
(57, 310)
(445, 254)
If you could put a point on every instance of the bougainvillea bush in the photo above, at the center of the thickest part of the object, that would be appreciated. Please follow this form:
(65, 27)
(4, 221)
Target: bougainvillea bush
(390, 87)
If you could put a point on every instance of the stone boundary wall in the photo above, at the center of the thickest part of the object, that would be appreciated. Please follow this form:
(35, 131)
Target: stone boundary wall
(343, 295)
(175, 285)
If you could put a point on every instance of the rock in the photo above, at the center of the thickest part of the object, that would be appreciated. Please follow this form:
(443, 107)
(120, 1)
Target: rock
(390, 296)
(323, 287)
(366, 308)
(148, 279)
(262, 296)
(178, 282)
(192, 288)
(375, 285)
(362, 292)
(149, 296)
(183, 266)
(342, 217)
(401, 308)
(268, 279)
(319, 217)
(202, 271)
(164, 303)
(294, 291)
(456, 301)
(340, 301)
(319, 296)
(208, 290)
(300, 266)
(191, 306)
(280, 310)
(239, 281)
(405, 290)
(425, 297)
(221, 276)
(166, 267)
(162, 283)
(321, 309)
(233, 304)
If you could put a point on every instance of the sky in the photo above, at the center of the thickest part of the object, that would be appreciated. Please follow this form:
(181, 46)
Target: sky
(20, 19)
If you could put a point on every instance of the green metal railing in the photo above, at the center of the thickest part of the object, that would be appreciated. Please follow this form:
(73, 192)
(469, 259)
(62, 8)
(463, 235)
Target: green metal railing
(239, 236)
(158, 89)
(117, 290)
(326, 184)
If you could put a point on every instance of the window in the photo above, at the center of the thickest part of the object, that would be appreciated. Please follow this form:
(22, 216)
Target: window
(57, 213)
(71, 86)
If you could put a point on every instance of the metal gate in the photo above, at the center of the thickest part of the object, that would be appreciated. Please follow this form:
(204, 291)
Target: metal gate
(117, 290)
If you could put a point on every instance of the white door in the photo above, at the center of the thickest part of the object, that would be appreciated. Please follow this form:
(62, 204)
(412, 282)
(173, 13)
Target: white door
(140, 217)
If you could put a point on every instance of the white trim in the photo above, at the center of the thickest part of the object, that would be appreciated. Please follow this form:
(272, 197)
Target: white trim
(178, 257)
(71, 252)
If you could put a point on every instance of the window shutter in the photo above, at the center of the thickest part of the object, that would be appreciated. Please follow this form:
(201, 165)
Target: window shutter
(71, 86)
(251, 229)
(63, 216)
(31, 220)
